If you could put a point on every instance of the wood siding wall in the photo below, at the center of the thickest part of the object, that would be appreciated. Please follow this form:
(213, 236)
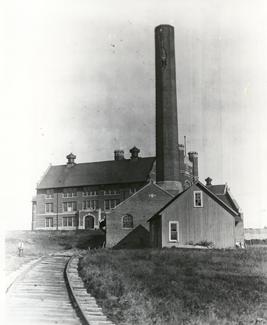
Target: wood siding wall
(211, 222)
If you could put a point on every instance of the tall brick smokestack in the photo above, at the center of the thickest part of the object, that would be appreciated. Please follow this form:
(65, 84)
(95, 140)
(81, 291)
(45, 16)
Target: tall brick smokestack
(167, 163)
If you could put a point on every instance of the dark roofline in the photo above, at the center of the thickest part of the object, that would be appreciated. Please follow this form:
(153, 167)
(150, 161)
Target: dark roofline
(216, 198)
(89, 185)
(101, 161)
(233, 200)
(94, 164)
(207, 191)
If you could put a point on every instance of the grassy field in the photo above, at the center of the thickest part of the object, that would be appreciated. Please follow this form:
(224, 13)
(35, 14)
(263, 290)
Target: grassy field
(179, 286)
(39, 243)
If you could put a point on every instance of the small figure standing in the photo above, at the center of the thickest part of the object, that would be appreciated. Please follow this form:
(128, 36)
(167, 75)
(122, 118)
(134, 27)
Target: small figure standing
(20, 248)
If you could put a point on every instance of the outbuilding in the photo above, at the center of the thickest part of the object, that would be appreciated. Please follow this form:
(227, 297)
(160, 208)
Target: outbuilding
(126, 225)
(197, 215)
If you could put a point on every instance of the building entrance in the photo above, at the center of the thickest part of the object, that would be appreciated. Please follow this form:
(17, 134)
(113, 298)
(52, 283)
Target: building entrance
(89, 222)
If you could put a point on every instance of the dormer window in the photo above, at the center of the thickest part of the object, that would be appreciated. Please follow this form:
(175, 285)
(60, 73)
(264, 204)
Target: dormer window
(198, 199)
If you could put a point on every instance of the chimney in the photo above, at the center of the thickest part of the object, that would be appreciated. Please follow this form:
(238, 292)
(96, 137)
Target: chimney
(181, 149)
(71, 160)
(167, 161)
(193, 157)
(208, 181)
(118, 155)
(134, 153)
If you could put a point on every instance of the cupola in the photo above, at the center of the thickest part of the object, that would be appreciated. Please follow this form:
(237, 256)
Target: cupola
(208, 181)
(71, 160)
(134, 153)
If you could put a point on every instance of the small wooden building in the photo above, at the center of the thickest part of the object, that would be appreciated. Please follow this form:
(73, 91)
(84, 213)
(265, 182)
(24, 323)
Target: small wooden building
(196, 215)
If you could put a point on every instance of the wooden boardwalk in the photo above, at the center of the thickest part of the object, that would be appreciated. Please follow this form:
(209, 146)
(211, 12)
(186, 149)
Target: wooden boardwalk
(41, 296)
(89, 309)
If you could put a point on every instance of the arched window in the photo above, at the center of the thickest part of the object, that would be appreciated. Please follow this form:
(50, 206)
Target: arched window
(127, 221)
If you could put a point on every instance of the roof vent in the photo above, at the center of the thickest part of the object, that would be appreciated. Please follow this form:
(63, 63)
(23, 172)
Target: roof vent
(134, 153)
(208, 181)
(71, 160)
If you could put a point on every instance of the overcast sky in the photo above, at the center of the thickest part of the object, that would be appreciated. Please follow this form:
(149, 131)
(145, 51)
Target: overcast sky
(79, 77)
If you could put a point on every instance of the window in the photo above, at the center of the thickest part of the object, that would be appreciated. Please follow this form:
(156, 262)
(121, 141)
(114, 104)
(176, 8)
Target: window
(110, 204)
(70, 193)
(90, 205)
(34, 208)
(127, 221)
(49, 222)
(173, 231)
(48, 207)
(111, 192)
(67, 222)
(198, 200)
(132, 190)
(69, 206)
(49, 194)
(89, 193)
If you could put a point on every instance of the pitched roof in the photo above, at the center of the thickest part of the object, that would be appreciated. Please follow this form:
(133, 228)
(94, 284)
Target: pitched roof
(148, 185)
(223, 193)
(224, 203)
(227, 207)
(97, 173)
(170, 202)
(217, 189)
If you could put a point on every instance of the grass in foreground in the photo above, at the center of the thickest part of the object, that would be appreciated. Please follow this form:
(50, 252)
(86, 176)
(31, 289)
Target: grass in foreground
(178, 286)
(40, 243)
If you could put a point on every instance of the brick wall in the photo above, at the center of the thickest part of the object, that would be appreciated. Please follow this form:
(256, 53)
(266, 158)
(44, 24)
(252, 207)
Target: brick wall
(142, 205)
(57, 199)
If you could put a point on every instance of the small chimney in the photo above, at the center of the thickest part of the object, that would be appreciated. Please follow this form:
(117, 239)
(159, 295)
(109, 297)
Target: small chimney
(193, 157)
(134, 153)
(118, 155)
(71, 160)
(208, 181)
(181, 149)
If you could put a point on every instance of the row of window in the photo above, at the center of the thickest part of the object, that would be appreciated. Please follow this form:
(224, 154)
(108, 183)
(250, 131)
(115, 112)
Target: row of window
(86, 205)
(127, 223)
(109, 204)
(73, 193)
(66, 222)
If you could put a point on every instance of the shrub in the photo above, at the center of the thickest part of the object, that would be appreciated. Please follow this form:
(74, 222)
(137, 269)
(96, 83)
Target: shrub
(205, 243)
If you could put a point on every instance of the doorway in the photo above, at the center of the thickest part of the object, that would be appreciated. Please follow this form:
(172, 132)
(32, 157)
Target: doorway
(89, 222)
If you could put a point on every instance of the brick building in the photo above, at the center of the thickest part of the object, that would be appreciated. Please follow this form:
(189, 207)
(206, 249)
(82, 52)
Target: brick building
(78, 196)
(128, 192)
(132, 213)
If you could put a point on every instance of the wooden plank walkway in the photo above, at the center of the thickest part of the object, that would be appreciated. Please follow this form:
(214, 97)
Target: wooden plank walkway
(87, 304)
(41, 296)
